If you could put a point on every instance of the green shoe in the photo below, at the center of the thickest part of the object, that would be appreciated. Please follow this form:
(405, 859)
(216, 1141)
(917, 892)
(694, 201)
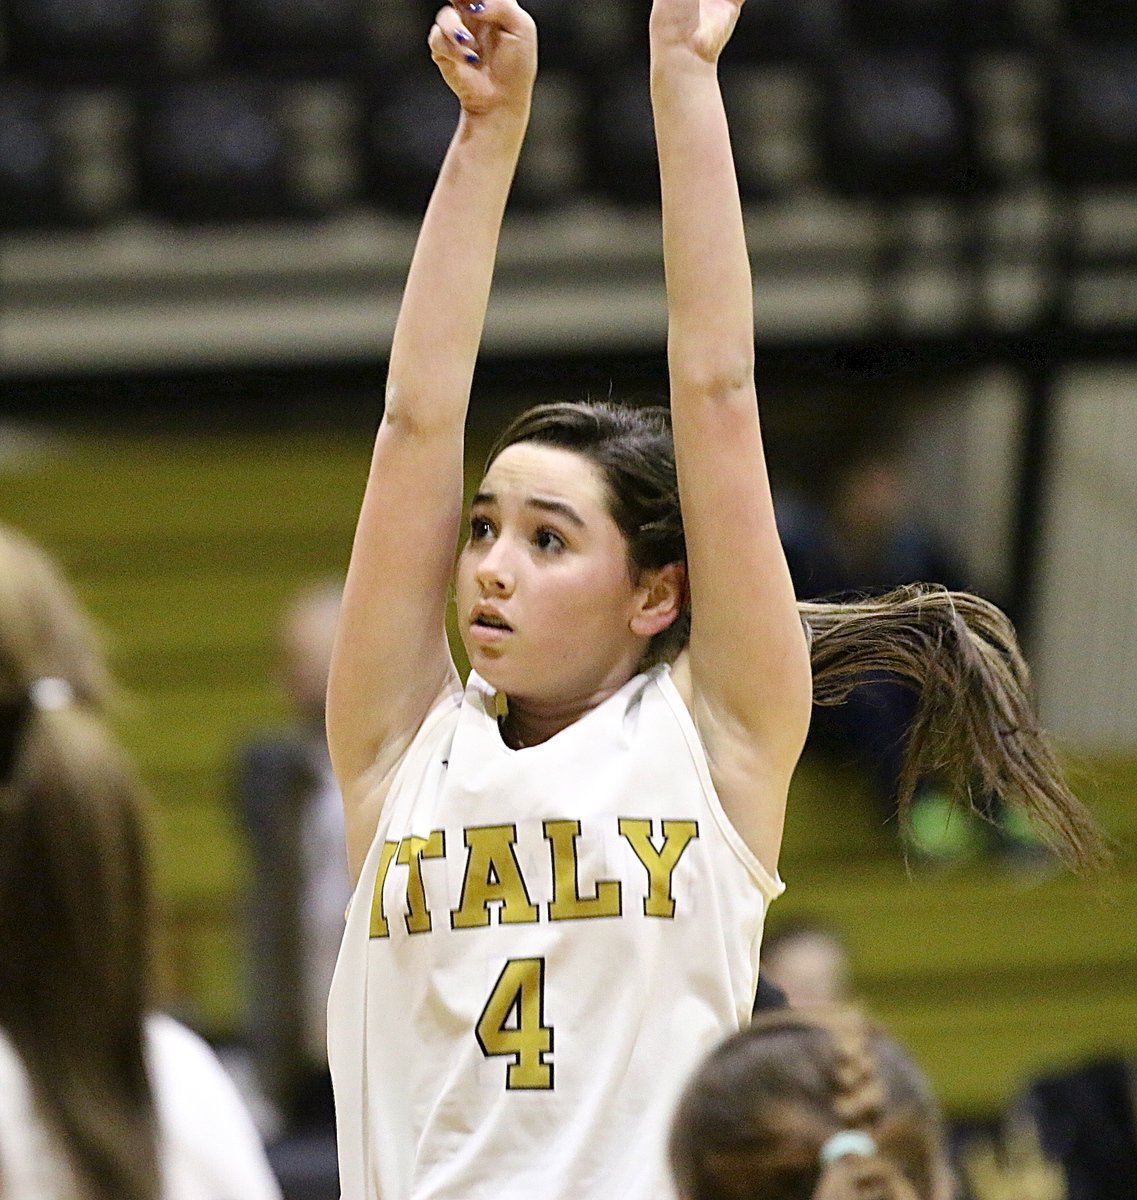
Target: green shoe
(1021, 844)
(944, 832)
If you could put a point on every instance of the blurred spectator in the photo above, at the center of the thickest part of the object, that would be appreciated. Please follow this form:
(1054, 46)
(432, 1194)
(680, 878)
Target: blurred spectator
(808, 961)
(1083, 1119)
(809, 540)
(811, 1103)
(878, 541)
(101, 1097)
(880, 538)
(864, 536)
(1012, 1167)
(292, 815)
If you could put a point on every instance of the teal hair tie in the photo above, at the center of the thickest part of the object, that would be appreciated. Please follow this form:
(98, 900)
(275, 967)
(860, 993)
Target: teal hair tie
(848, 1141)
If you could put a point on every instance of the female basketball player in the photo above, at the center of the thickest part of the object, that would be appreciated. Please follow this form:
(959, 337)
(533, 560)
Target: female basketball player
(564, 866)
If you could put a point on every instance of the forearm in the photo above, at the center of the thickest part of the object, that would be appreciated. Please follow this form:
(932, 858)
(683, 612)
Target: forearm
(709, 290)
(440, 321)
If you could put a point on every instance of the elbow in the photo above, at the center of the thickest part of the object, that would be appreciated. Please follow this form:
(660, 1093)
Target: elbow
(424, 408)
(724, 384)
(401, 415)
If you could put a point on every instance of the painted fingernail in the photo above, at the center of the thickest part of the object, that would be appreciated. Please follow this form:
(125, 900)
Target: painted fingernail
(476, 7)
(460, 35)
(471, 58)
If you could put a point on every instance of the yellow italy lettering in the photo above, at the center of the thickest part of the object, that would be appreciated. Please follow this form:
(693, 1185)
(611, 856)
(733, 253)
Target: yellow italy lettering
(659, 864)
(492, 874)
(378, 917)
(412, 851)
(567, 903)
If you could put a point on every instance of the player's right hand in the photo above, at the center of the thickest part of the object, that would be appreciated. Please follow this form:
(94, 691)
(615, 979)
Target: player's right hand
(487, 53)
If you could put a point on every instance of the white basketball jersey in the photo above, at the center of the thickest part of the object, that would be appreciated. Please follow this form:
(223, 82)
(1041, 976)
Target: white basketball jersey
(542, 945)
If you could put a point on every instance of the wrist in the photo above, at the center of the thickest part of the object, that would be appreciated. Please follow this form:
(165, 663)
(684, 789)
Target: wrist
(500, 127)
(678, 65)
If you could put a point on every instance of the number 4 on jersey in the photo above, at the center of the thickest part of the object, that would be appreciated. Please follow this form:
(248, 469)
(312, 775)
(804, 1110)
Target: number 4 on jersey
(512, 1024)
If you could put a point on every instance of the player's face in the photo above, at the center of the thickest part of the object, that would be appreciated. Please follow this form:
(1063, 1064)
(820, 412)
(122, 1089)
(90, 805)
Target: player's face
(545, 598)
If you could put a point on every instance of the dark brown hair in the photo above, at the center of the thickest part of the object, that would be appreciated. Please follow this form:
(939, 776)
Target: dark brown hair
(754, 1117)
(74, 886)
(633, 450)
(975, 725)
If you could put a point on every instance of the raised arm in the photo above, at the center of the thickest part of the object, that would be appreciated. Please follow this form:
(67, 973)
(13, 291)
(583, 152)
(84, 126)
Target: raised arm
(392, 662)
(749, 678)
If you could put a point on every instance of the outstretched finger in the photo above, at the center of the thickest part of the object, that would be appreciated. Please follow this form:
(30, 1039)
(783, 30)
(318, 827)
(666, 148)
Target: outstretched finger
(506, 15)
(450, 38)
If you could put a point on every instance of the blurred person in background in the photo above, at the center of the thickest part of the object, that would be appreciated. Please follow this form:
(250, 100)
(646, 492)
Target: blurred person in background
(1080, 1121)
(101, 1096)
(881, 537)
(815, 1103)
(291, 815)
(808, 961)
(863, 537)
(879, 540)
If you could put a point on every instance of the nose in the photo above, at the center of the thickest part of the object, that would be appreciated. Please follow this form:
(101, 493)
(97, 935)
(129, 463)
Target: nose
(494, 571)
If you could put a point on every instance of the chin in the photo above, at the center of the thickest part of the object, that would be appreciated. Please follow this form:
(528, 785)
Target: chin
(494, 678)
(489, 666)
(502, 676)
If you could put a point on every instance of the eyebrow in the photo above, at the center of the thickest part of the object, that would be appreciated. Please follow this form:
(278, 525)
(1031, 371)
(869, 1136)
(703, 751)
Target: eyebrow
(543, 503)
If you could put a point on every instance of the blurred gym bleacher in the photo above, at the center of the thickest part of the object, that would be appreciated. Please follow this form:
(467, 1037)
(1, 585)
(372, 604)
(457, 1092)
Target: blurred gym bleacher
(238, 181)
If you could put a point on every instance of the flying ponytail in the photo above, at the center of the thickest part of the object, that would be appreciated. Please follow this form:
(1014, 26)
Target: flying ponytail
(975, 728)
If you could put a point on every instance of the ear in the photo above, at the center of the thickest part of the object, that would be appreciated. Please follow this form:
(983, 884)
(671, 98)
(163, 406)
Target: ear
(660, 596)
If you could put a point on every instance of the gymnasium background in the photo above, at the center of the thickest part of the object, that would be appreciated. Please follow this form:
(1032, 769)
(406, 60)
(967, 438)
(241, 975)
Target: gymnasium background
(207, 210)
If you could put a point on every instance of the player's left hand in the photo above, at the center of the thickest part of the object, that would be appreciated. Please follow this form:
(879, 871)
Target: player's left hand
(703, 26)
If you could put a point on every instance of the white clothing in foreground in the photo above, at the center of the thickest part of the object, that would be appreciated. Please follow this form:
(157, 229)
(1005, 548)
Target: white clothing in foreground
(209, 1147)
(542, 944)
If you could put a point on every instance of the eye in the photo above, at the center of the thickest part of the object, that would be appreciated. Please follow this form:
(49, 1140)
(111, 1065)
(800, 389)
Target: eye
(548, 539)
(480, 529)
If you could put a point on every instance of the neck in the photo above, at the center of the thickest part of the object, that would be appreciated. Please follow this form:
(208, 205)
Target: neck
(519, 731)
(526, 722)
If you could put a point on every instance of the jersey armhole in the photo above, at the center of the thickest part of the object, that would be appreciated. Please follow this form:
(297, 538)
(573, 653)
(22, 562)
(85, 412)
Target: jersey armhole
(445, 706)
(771, 885)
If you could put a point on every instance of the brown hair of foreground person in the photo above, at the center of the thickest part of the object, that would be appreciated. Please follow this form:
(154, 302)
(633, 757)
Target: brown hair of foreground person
(812, 1104)
(75, 918)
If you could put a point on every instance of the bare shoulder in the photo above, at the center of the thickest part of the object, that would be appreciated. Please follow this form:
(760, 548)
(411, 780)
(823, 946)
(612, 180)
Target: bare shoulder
(365, 796)
(750, 788)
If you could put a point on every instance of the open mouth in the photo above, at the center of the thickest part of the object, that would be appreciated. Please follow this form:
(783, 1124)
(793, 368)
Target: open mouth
(487, 620)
